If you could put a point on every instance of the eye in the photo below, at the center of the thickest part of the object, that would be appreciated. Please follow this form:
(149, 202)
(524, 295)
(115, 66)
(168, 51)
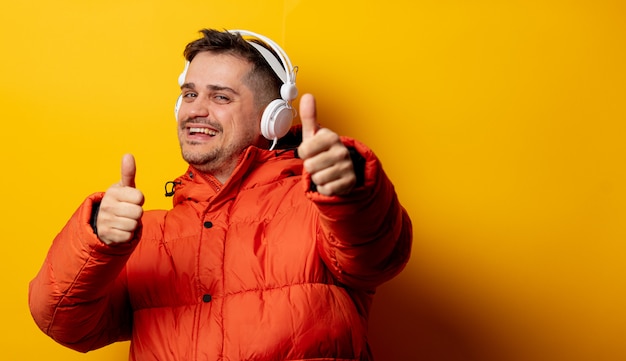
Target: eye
(189, 95)
(221, 99)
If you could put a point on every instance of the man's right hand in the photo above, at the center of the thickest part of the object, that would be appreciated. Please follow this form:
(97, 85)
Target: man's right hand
(121, 208)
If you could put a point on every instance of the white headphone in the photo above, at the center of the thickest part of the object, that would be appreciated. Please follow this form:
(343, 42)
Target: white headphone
(278, 115)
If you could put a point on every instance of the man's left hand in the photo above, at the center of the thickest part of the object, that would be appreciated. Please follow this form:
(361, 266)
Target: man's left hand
(325, 157)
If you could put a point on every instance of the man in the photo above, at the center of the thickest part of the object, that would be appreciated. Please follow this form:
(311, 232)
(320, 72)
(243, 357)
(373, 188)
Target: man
(265, 255)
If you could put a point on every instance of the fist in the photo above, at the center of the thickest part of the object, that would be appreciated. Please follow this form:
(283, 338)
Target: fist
(325, 157)
(121, 207)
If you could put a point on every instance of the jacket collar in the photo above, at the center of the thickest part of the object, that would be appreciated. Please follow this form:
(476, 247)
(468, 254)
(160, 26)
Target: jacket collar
(256, 167)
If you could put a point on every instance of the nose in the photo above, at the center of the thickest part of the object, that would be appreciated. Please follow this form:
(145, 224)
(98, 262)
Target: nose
(198, 108)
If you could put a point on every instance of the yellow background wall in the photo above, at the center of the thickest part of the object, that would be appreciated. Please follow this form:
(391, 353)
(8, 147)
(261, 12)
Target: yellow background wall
(502, 124)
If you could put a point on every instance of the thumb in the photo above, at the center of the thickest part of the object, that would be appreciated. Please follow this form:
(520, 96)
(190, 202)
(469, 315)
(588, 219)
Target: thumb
(128, 171)
(308, 116)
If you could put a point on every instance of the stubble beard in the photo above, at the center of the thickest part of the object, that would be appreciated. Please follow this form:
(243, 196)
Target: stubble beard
(217, 161)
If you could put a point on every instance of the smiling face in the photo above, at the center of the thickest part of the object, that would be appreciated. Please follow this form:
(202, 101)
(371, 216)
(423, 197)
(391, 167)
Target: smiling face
(218, 117)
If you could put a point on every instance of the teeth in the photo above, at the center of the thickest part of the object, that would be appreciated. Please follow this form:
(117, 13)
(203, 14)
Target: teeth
(206, 131)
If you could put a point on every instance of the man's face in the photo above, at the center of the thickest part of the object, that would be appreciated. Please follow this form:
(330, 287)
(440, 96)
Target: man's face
(217, 118)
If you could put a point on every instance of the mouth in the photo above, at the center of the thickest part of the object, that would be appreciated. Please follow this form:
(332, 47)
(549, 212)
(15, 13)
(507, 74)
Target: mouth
(202, 131)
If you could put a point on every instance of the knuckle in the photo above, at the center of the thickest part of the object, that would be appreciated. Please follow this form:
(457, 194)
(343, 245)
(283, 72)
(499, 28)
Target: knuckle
(317, 179)
(303, 151)
(308, 165)
(137, 212)
(342, 151)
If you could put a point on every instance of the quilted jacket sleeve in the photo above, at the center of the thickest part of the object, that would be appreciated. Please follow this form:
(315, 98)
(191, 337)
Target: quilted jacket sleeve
(365, 237)
(79, 296)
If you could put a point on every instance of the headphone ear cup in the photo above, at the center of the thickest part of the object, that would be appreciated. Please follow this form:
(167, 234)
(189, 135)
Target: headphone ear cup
(276, 119)
(181, 81)
(177, 106)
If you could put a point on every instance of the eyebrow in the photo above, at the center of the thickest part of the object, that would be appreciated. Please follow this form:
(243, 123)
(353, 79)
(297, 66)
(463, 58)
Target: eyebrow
(212, 87)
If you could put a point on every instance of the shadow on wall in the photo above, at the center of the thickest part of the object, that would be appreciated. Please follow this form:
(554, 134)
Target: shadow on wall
(411, 321)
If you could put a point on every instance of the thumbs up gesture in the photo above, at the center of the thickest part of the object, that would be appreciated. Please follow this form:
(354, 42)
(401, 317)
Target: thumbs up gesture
(325, 157)
(121, 207)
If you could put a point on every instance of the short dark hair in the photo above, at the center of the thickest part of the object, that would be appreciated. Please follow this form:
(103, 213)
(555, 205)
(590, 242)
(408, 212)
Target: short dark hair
(262, 80)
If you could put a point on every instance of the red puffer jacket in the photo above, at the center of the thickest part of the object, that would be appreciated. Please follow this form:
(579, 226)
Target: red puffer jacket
(261, 268)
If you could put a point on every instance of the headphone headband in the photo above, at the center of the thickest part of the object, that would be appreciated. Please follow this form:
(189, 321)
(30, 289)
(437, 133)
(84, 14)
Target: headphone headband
(276, 66)
(286, 72)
